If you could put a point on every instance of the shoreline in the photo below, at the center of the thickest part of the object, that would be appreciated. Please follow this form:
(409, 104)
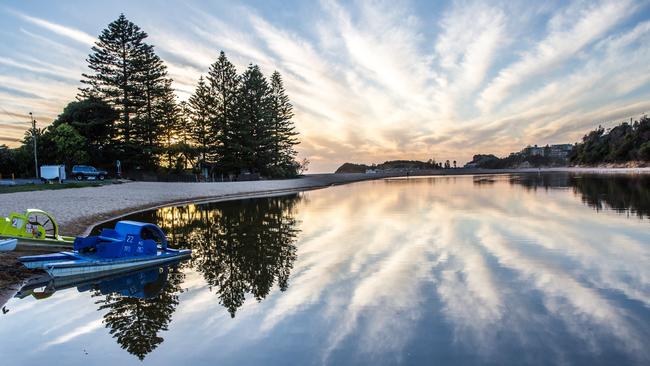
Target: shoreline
(79, 210)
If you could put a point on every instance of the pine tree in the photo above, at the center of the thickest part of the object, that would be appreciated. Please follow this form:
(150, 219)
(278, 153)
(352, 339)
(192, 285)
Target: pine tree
(152, 77)
(201, 114)
(168, 113)
(114, 63)
(186, 152)
(249, 139)
(224, 83)
(283, 129)
(131, 78)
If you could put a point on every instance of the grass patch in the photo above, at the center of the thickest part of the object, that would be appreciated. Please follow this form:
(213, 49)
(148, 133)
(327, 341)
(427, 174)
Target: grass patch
(48, 187)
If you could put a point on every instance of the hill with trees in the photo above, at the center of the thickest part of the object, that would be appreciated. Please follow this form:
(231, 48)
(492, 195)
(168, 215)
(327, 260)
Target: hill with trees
(394, 165)
(624, 143)
(127, 110)
(516, 160)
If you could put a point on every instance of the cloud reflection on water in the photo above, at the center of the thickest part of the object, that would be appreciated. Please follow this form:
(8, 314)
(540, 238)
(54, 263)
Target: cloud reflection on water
(551, 245)
(501, 270)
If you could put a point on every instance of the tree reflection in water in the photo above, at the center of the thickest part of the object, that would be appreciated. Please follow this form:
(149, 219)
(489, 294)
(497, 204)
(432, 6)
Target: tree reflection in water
(240, 247)
(139, 306)
(627, 194)
(245, 247)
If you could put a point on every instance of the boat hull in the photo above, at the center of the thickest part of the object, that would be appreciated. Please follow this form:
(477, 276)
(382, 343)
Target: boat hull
(70, 264)
(7, 245)
(62, 242)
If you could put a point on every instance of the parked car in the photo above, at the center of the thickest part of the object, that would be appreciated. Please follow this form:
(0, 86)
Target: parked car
(81, 172)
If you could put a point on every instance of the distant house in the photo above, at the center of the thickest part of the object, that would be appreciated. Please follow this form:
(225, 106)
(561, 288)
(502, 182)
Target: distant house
(371, 171)
(533, 151)
(560, 151)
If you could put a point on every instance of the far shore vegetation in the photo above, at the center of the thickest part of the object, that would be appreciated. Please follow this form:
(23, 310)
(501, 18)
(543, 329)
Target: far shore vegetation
(627, 144)
(127, 110)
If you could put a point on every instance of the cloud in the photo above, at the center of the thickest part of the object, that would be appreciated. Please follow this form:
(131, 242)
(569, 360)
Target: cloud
(68, 32)
(373, 81)
(560, 44)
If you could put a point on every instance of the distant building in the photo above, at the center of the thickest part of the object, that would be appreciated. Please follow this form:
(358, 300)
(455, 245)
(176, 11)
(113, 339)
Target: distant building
(533, 151)
(560, 151)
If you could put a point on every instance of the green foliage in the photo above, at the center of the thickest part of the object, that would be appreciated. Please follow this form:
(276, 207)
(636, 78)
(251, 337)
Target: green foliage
(625, 142)
(201, 111)
(69, 145)
(283, 130)
(132, 79)
(7, 161)
(515, 160)
(251, 134)
(243, 123)
(224, 86)
(94, 119)
(388, 165)
(116, 65)
(171, 121)
(644, 151)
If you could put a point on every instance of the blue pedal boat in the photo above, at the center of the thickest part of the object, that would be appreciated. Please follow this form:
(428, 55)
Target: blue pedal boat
(131, 245)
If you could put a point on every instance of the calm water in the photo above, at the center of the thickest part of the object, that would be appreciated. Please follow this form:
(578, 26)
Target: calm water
(529, 269)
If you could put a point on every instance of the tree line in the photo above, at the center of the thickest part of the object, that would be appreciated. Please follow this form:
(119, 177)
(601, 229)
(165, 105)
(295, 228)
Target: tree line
(126, 110)
(623, 143)
(626, 142)
(404, 165)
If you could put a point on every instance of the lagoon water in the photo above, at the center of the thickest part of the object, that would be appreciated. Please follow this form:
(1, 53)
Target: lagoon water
(501, 270)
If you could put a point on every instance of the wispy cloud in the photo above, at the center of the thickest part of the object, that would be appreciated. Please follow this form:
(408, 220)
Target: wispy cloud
(68, 32)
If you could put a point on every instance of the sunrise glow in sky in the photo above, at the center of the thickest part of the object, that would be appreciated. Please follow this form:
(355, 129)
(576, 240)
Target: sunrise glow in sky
(370, 80)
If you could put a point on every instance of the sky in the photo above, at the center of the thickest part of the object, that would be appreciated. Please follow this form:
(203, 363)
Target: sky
(369, 80)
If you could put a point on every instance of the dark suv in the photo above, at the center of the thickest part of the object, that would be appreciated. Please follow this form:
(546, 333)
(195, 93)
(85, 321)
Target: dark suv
(81, 172)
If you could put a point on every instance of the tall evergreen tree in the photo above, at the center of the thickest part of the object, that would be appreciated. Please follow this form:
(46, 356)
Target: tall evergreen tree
(152, 77)
(249, 140)
(115, 63)
(202, 112)
(224, 83)
(131, 78)
(283, 129)
(186, 152)
(168, 113)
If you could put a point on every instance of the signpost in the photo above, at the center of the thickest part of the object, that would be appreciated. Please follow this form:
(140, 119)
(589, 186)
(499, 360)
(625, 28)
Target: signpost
(34, 141)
